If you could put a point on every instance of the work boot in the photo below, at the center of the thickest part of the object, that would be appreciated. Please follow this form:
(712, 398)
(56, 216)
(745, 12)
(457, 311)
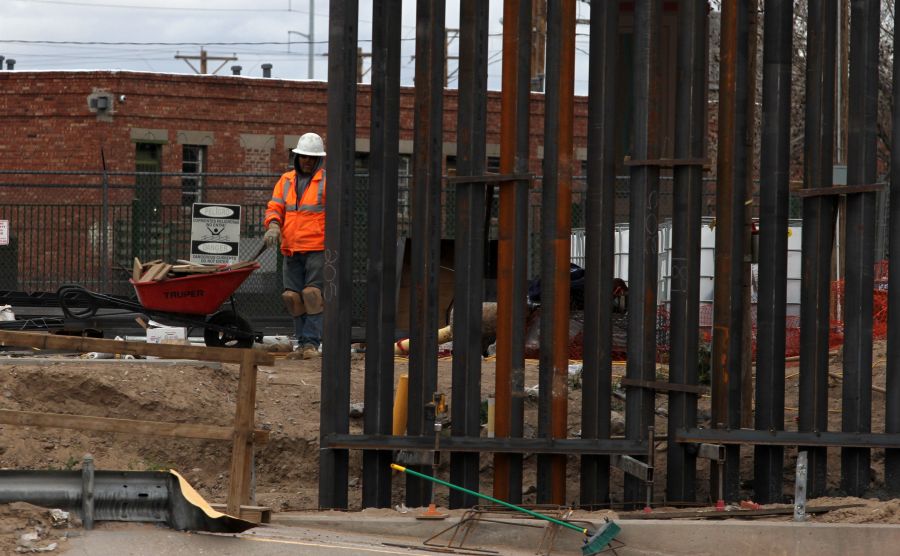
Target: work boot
(311, 352)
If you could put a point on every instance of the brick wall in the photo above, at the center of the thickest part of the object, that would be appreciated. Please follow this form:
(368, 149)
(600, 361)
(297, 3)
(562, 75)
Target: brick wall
(48, 124)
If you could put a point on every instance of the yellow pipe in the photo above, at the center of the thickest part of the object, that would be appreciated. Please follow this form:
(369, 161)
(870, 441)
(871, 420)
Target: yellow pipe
(400, 406)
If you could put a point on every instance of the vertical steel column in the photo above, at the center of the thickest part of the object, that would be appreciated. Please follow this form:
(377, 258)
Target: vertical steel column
(426, 227)
(856, 414)
(773, 221)
(728, 306)
(690, 133)
(335, 406)
(892, 365)
(556, 227)
(818, 233)
(381, 295)
(599, 248)
(468, 292)
(512, 251)
(643, 245)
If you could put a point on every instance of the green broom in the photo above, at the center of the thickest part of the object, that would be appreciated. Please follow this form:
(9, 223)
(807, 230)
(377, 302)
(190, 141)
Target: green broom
(594, 543)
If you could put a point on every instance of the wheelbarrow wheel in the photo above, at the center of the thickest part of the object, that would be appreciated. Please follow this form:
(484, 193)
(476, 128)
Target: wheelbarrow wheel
(240, 335)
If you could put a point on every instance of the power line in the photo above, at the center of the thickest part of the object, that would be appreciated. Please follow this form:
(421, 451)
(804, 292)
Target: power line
(162, 8)
(151, 43)
(119, 43)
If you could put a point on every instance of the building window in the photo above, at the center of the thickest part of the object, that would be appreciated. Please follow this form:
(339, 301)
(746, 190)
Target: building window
(193, 165)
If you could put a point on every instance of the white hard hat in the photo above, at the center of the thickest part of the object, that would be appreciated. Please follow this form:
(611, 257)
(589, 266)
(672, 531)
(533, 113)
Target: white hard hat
(310, 144)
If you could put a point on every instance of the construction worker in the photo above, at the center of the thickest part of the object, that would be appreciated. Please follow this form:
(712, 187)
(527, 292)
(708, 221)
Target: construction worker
(295, 221)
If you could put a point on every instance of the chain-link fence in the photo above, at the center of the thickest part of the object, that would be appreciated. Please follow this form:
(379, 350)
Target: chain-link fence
(87, 227)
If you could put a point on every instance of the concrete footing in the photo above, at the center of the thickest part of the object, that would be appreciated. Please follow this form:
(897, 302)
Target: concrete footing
(645, 537)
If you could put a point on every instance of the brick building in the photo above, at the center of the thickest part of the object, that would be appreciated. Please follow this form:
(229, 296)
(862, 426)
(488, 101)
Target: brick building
(59, 120)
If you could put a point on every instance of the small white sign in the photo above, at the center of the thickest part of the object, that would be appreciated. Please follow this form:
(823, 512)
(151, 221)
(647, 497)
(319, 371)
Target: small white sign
(4, 232)
(215, 233)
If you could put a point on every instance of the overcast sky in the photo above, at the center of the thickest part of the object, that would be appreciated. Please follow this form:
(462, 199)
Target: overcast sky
(178, 22)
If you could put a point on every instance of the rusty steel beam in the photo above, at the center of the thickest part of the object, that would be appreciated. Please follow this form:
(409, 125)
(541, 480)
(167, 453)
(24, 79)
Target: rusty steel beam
(731, 190)
(556, 226)
(856, 409)
(426, 228)
(690, 133)
(335, 406)
(818, 234)
(381, 296)
(773, 220)
(599, 248)
(512, 250)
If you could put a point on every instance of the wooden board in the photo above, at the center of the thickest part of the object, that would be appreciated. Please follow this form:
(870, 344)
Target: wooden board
(171, 351)
(127, 426)
(256, 514)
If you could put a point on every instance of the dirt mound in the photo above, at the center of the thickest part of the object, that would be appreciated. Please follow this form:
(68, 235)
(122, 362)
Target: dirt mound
(25, 528)
(288, 396)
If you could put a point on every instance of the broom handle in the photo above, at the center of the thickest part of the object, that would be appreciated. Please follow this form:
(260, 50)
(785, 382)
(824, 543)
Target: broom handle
(396, 467)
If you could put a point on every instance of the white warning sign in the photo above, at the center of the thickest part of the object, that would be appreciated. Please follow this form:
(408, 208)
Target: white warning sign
(215, 233)
(4, 232)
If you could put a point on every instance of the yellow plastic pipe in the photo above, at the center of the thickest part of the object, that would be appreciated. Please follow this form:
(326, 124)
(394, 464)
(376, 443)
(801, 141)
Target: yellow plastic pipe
(400, 406)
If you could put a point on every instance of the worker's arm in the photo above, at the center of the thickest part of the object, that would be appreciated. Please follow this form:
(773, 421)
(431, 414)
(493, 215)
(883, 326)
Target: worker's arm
(275, 208)
(275, 215)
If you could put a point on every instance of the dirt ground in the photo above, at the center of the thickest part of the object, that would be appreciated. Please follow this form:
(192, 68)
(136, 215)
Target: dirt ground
(288, 405)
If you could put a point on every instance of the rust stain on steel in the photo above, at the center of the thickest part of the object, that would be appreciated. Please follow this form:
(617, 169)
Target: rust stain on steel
(724, 192)
(559, 403)
(505, 248)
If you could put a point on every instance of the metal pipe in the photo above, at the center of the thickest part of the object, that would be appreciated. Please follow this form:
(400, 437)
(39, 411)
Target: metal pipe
(335, 406)
(773, 234)
(644, 225)
(728, 306)
(381, 294)
(856, 410)
(690, 132)
(818, 234)
(426, 225)
(599, 248)
(892, 364)
(469, 245)
(556, 225)
(512, 277)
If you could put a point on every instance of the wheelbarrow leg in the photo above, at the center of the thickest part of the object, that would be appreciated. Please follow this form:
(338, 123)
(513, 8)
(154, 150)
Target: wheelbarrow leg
(230, 330)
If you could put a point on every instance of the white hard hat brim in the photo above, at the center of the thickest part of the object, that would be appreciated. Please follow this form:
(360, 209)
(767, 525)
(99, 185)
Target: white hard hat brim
(307, 153)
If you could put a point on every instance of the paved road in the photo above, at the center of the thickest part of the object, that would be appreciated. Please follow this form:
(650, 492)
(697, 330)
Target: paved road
(147, 540)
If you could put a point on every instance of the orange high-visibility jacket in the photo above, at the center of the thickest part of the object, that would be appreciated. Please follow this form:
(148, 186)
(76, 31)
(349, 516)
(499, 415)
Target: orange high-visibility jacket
(302, 220)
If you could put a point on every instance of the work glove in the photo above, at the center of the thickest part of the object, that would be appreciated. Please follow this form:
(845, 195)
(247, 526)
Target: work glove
(273, 236)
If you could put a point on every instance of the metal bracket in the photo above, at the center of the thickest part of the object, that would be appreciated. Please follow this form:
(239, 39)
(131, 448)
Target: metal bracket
(839, 190)
(714, 452)
(633, 467)
(664, 386)
(490, 178)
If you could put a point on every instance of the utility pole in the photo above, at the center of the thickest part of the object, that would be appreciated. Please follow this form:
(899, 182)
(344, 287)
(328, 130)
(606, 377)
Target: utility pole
(360, 55)
(449, 36)
(310, 39)
(539, 46)
(204, 57)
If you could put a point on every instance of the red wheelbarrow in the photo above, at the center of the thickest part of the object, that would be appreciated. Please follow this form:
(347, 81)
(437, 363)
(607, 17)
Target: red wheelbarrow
(192, 300)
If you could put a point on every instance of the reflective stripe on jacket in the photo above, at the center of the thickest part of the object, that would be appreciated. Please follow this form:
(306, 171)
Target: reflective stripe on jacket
(302, 221)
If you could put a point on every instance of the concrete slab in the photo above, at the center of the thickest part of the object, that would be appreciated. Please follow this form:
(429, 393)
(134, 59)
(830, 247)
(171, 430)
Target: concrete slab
(641, 537)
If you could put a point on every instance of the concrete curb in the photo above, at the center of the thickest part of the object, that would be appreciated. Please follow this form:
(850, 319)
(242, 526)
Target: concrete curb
(645, 537)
